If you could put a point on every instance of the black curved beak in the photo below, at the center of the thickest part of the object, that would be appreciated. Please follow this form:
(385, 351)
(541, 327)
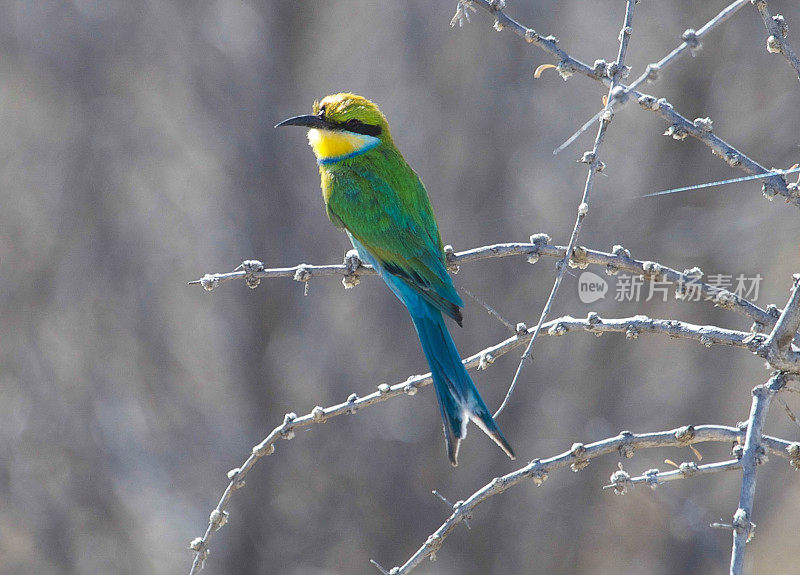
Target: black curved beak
(309, 121)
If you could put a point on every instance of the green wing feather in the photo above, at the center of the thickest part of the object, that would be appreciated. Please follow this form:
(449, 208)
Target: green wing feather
(381, 201)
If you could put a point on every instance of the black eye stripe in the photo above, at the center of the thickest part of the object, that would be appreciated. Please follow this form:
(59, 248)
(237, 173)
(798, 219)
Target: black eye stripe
(359, 127)
(352, 125)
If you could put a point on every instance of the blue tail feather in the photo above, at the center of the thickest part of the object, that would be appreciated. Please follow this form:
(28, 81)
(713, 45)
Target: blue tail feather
(458, 397)
(459, 400)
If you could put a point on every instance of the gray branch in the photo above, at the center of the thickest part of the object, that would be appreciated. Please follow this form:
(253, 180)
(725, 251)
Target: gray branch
(577, 458)
(621, 481)
(752, 454)
(680, 127)
(691, 41)
(595, 166)
(252, 271)
(778, 31)
(788, 323)
(631, 327)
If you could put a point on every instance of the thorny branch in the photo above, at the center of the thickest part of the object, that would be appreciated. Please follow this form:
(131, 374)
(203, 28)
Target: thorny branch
(691, 41)
(577, 458)
(775, 348)
(621, 481)
(778, 32)
(631, 327)
(595, 166)
(688, 284)
(779, 340)
(752, 455)
(789, 322)
(679, 128)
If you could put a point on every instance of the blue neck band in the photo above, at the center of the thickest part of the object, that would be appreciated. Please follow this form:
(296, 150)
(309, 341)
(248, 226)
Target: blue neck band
(334, 159)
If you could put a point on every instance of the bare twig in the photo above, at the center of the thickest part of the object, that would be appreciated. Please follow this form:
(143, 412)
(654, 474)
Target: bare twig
(786, 328)
(454, 506)
(631, 327)
(680, 127)
(620, 481)
(789, 413)
(490, 310)
(595, 166)
(549, 44)
(751, 456)
(778, 31)
(691, 41)
(700, 129)
(777, 346)
(380, 567)
(577, 458)
(687, 283)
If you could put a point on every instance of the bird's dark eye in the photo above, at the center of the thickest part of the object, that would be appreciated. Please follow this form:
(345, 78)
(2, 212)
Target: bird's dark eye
(321, 113)
(359, 127)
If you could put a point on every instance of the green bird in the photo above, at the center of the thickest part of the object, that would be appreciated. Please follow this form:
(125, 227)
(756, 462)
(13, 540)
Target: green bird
(374, 195)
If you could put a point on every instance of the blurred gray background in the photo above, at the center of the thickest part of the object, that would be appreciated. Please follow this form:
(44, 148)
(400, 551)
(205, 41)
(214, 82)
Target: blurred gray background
(138, 153)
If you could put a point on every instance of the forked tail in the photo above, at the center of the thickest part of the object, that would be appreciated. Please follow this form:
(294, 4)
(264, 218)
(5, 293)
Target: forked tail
(458, 397)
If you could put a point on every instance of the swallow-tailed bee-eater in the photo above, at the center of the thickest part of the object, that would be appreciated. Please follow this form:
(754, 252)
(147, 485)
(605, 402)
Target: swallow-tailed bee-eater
(374, 195)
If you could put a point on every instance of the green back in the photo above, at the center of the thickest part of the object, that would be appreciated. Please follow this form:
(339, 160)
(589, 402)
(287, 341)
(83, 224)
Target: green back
(379, 199)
